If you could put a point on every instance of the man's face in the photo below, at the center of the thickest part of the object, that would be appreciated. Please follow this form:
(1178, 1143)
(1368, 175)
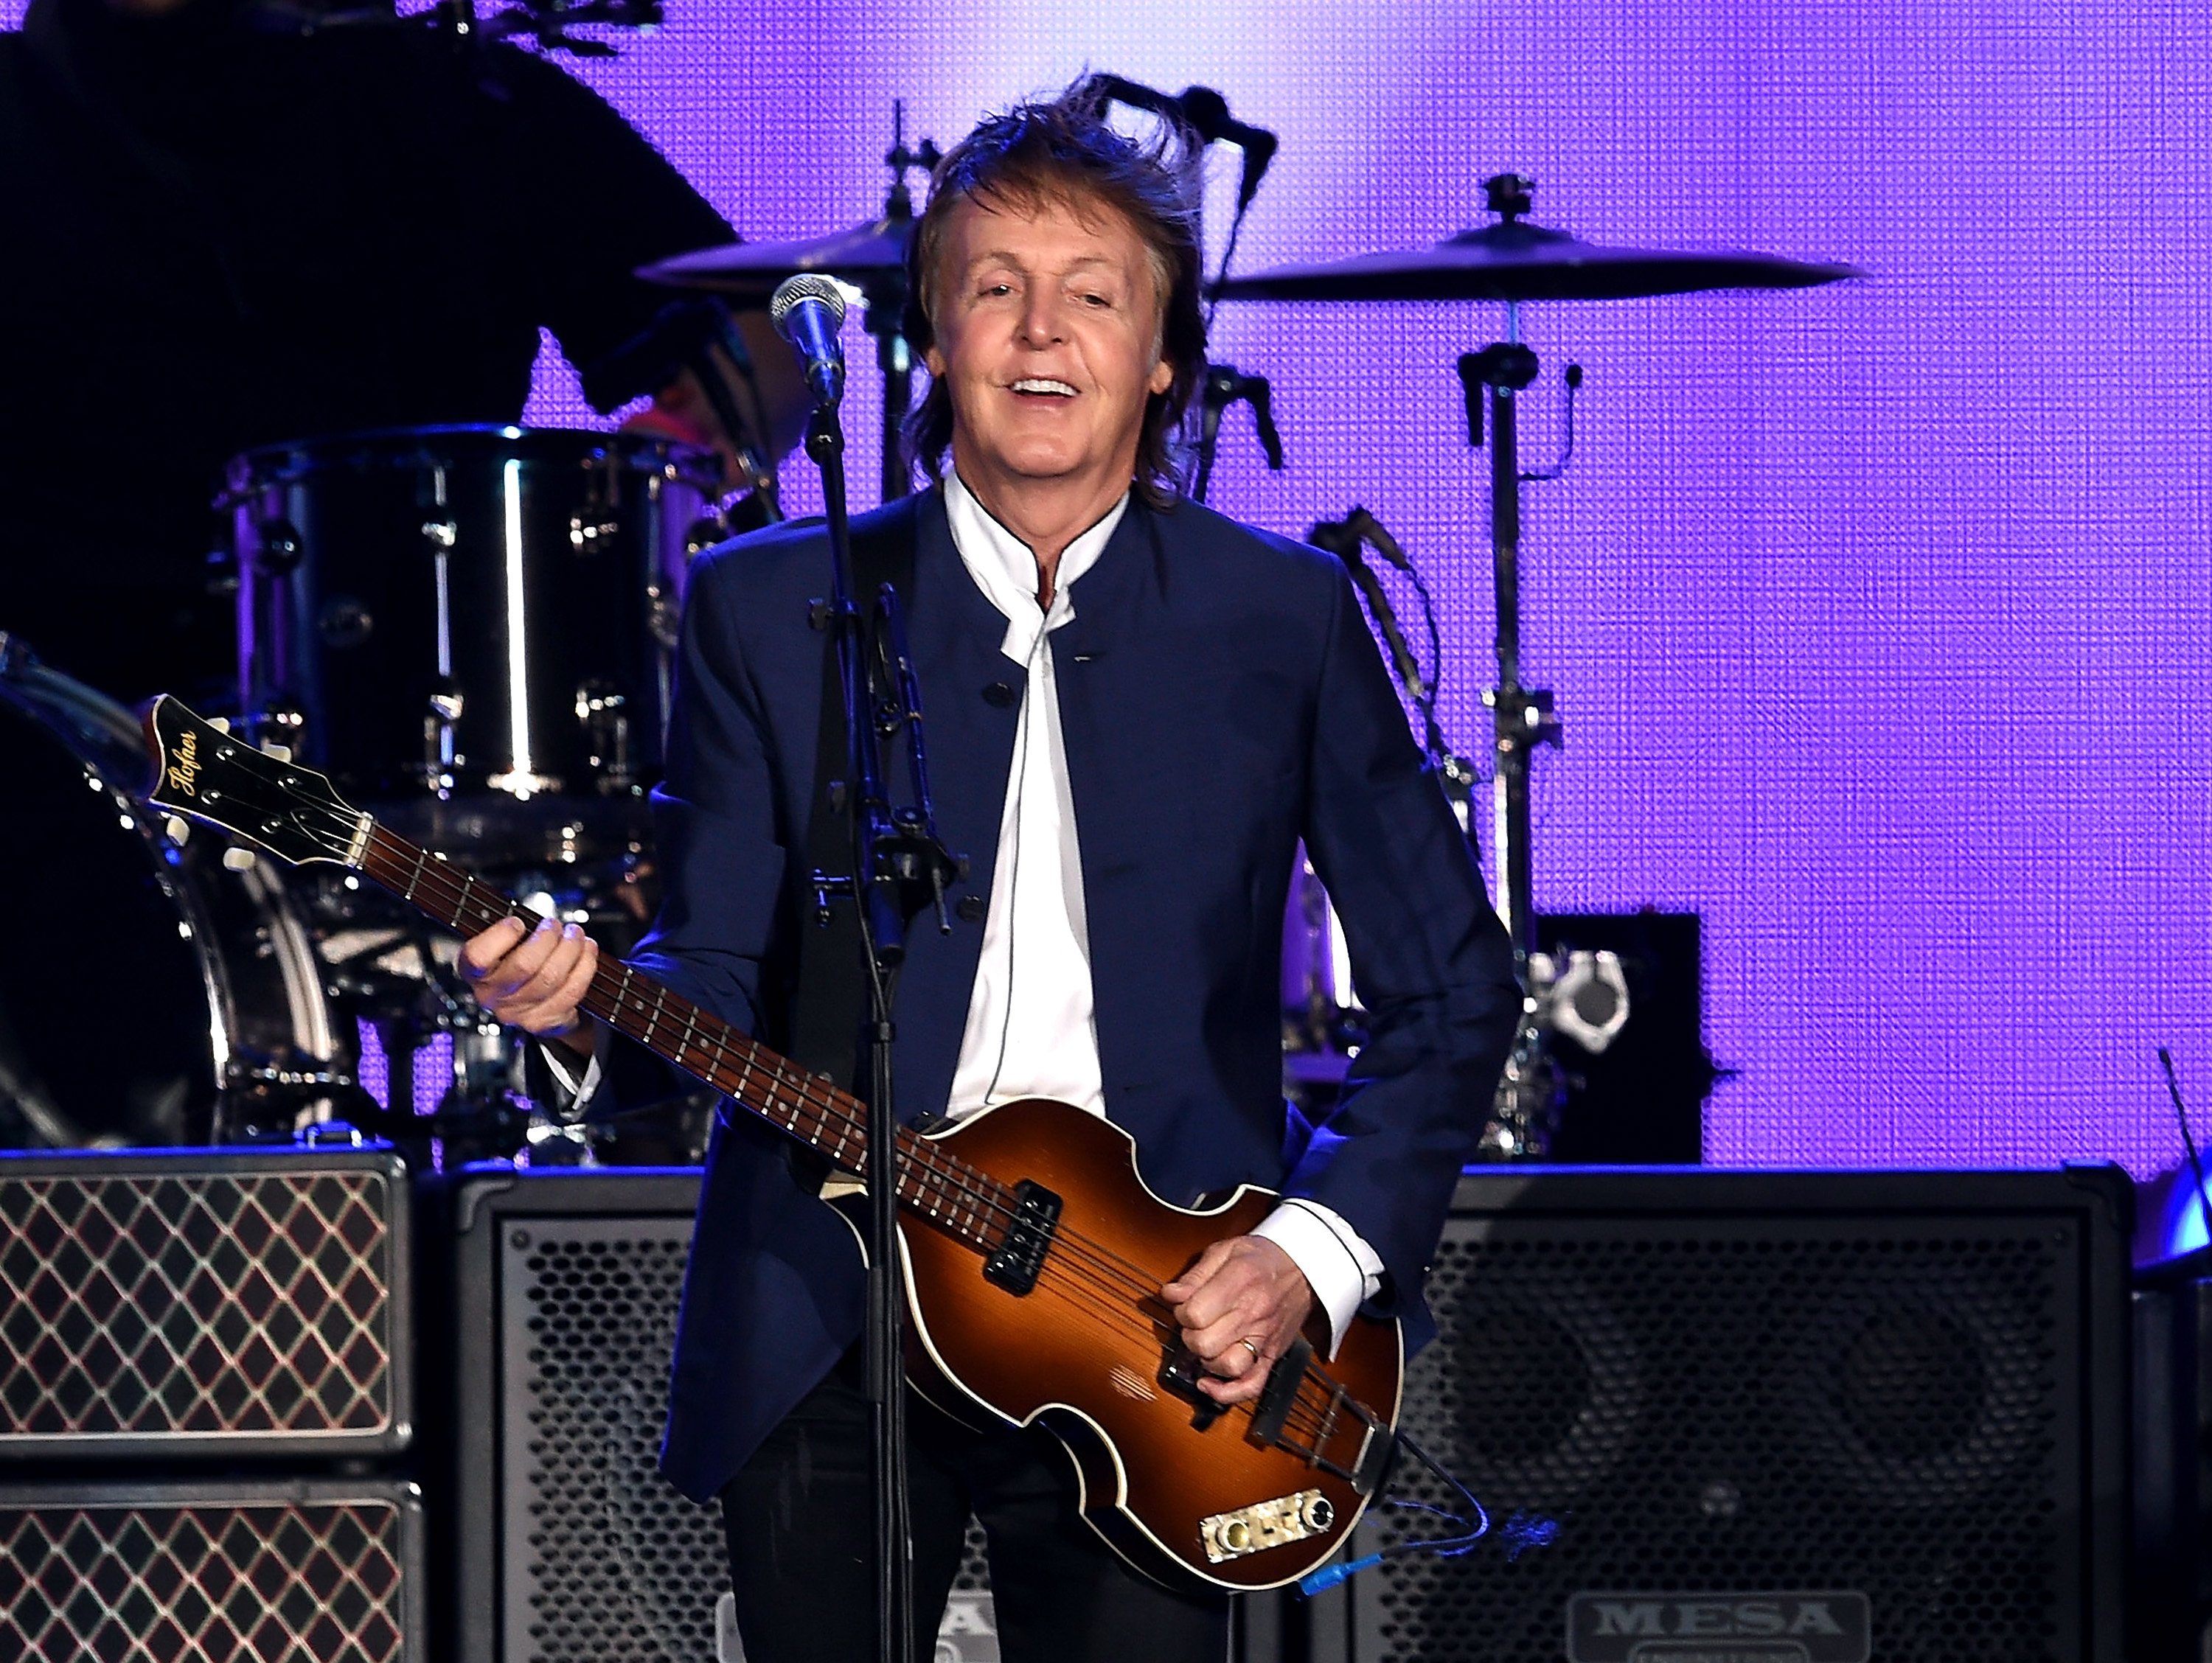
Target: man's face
(1047, 327)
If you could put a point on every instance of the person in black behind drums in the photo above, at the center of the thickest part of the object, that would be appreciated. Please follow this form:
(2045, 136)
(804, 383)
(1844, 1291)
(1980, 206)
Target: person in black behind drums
(235, 223)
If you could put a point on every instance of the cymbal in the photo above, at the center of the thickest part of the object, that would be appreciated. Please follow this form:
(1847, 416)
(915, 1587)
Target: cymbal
(1513, 261)
(860, 252)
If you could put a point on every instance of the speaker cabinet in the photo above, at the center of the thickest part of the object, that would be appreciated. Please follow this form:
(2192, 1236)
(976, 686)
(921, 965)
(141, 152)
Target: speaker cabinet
(197, 1304)
(211, 1572)
(571, 1547)
(2172, 1601)
(1828, 1417)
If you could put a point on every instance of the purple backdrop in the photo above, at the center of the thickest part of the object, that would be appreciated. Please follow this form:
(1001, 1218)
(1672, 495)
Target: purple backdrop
(1878, 614)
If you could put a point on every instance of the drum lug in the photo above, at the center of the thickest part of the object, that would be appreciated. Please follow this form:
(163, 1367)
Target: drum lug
(601, 711)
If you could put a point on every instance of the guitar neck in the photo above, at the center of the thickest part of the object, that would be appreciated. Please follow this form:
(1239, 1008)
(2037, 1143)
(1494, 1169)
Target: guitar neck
(703, 1046)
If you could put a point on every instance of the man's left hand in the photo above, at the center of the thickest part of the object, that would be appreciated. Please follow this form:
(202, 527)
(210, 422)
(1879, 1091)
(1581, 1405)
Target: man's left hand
(1241, 1306)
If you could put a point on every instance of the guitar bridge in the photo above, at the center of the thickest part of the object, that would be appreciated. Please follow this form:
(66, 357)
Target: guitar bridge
(1020, 1257)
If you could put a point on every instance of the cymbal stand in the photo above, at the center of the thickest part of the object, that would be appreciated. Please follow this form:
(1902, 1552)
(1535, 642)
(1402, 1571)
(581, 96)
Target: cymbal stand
(1522, 718)
(886, 295)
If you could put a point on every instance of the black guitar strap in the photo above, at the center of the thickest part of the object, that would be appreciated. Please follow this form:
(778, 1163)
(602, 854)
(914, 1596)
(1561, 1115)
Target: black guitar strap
(829, 1001)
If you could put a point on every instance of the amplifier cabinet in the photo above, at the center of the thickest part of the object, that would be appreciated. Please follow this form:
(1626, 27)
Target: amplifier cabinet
(1834, 1415)
(571, 1547)
(211, 1572)
(187, 1304)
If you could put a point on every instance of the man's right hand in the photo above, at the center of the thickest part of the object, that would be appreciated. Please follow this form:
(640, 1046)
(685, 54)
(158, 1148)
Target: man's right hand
(535, 980)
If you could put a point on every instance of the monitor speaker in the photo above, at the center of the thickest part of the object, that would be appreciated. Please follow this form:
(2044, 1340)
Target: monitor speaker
(1824, 1417)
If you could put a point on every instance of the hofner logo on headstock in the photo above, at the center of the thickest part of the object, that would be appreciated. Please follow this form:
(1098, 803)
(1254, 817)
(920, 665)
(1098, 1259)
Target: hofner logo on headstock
(185, 769)
(1719, 1628)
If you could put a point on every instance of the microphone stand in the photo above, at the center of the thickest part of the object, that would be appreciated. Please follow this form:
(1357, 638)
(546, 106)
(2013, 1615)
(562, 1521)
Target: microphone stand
(899, 865)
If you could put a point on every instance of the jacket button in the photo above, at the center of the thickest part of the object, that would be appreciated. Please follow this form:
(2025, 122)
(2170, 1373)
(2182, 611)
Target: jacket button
(1000, 694)
(971, 909)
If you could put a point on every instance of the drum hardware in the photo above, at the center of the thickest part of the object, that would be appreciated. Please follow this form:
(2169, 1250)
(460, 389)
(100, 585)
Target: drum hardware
(599, 708)
(869, 257)
(1515, 262)
(1586, 997)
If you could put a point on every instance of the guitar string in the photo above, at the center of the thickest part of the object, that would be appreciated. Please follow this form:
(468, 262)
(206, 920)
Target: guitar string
(1094, 1264)
(955, 1179)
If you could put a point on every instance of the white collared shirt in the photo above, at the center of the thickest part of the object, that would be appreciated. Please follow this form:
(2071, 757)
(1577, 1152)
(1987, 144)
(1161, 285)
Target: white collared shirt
(1031, 1030)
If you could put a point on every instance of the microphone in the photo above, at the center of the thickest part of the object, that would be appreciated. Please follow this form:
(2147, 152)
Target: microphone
(1208, 112)
(808, 311)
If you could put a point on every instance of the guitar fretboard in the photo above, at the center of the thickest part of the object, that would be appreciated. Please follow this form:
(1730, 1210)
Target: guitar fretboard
(951, 1194)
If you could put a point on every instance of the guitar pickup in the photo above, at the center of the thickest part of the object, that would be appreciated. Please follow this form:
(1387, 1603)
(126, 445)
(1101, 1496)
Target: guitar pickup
(1180, 1374)
(1020, 1256)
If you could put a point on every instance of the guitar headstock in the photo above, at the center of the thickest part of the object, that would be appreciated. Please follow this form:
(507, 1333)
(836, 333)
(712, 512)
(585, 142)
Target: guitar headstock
(278, 807)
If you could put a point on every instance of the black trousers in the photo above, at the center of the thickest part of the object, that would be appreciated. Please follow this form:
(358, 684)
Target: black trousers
(800, 1523)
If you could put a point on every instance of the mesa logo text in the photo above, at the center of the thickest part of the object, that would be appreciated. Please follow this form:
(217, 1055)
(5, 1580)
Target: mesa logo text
(1765, 1627)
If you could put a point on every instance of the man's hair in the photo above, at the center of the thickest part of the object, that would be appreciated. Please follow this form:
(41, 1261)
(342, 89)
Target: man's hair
(1063, 150)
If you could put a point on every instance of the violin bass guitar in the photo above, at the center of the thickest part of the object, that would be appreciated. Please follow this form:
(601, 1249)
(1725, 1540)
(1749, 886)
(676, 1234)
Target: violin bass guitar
(1033, 1253)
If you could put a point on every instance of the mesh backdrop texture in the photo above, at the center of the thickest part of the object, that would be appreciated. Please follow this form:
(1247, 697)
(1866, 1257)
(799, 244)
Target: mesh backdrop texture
(1878, 614)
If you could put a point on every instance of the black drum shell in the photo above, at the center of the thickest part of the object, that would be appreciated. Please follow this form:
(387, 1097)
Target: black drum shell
(540, 666)
(149, 994)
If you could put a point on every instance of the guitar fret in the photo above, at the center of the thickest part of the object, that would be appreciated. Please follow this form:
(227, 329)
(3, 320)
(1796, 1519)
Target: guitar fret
(422, 860)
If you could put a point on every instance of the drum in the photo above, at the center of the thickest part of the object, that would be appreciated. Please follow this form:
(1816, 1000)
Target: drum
(456, 623)
(149, 994)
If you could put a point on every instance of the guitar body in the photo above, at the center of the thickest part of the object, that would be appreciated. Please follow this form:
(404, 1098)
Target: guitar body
(1080, 1354)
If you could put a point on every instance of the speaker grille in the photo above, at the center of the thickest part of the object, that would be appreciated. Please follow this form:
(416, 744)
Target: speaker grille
(617, 1565)
(1713, 1404)
(604, 1561)
(187, 1574)
(197, 1297)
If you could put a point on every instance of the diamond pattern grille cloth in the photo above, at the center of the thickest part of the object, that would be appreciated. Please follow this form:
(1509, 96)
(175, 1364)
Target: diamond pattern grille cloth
(195, 1305)
(227, 1583)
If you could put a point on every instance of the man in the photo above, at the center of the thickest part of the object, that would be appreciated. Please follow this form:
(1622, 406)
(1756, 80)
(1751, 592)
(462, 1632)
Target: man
(235, 222)
(1136, 708)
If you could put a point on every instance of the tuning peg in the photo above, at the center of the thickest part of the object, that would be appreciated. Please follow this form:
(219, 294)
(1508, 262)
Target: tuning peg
(238, 860)
(177, 827)
(220, 724)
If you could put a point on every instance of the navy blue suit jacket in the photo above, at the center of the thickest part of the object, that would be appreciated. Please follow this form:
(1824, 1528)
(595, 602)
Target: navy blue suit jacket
(1221, 698)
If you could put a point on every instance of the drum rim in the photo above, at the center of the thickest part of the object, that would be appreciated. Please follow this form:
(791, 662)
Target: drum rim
(76, 715)
(260, 466)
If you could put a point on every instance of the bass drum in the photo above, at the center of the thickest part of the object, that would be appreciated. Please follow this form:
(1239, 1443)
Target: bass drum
(150, 995)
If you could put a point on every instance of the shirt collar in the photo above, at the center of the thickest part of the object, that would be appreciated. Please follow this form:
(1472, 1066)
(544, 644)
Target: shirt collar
(1005, 568)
